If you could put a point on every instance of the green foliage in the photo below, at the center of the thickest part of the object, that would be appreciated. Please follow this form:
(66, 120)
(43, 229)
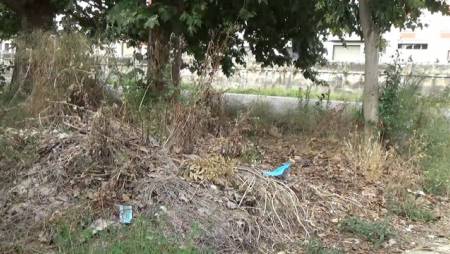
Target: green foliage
(400, 106)
(343, 16)
(145, 107)
(10, 22)
(277, 24)
(411, 210)
(316, 247)
(252, 154)
(14, 13)
(139, 94)
(375, 232)
(436, 165)
(408, 118)
(140, 237)
(268, 26)
(131, 20)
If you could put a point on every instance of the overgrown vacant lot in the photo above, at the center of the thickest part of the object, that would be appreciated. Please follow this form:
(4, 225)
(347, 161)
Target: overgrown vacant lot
(343, 194)
(193, 168)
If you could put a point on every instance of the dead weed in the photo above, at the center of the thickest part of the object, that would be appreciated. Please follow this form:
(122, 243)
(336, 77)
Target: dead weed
(367, 155)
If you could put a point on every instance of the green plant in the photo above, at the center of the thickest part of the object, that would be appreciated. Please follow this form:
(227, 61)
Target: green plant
(401, 107)
(407, 116)
(252, 154)
(316, 247)
(389, 104)
(374, 232)
(437, 162)
(411, 210)
(140, 237)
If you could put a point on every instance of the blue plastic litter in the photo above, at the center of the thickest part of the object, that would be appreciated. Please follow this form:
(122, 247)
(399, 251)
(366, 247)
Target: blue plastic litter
(280, 171)
(125, 214)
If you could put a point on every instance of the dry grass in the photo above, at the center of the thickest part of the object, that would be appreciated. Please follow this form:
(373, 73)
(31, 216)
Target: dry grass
(60, 69)
(399, 173)
(367, 155)
(402, 175)
(282, 213)
(189, 121)
(214, 168)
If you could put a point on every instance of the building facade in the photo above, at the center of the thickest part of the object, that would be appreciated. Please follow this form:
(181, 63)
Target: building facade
(427, 45)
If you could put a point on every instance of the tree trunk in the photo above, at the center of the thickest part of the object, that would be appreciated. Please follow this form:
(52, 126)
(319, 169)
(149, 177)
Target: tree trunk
(371, 36)
(177, 60)
(157, 59)
(35, 16)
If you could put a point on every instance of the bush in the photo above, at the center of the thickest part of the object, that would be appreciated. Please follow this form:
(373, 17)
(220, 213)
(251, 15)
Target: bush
(375, 232)
(411, 210)
(316, 247)
(408, 117)
(401, 106)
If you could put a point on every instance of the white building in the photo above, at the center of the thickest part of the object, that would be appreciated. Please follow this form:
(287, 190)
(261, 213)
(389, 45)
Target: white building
(429, 45)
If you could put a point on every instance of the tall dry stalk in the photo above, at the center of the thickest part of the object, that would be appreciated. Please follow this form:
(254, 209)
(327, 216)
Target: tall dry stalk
(190, 120)
(60, 71)
(367, 155)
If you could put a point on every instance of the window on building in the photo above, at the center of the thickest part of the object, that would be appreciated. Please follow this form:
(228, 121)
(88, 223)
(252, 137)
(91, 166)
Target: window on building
(349, 53)
(448, 56)
(414, 46)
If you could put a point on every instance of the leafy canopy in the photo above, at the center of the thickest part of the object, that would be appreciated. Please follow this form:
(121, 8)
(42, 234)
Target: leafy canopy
(342, 16)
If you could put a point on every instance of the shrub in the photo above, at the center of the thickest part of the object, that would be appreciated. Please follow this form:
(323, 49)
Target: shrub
(375, 232)
(316, 247)
(401, 106)
(411, 210)
(408, 116)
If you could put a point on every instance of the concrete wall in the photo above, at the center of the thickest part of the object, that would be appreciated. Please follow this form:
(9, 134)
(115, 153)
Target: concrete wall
(340, 77)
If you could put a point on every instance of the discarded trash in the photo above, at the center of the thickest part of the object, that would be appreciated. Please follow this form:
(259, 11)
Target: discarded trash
(125, 214)
(417, 193)
(280, 171)
(100, 225)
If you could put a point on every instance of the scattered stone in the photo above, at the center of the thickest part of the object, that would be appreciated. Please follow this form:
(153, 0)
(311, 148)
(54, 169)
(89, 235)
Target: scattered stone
(231, 205)
(390, 243)
(163, 209)
(125, 198)
(63, 135)
(183, 197)
(100, 225)
(44, 237)
(204, 211)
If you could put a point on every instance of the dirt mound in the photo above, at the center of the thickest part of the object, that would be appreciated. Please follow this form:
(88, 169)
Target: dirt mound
(101, 161)
(96, 162)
